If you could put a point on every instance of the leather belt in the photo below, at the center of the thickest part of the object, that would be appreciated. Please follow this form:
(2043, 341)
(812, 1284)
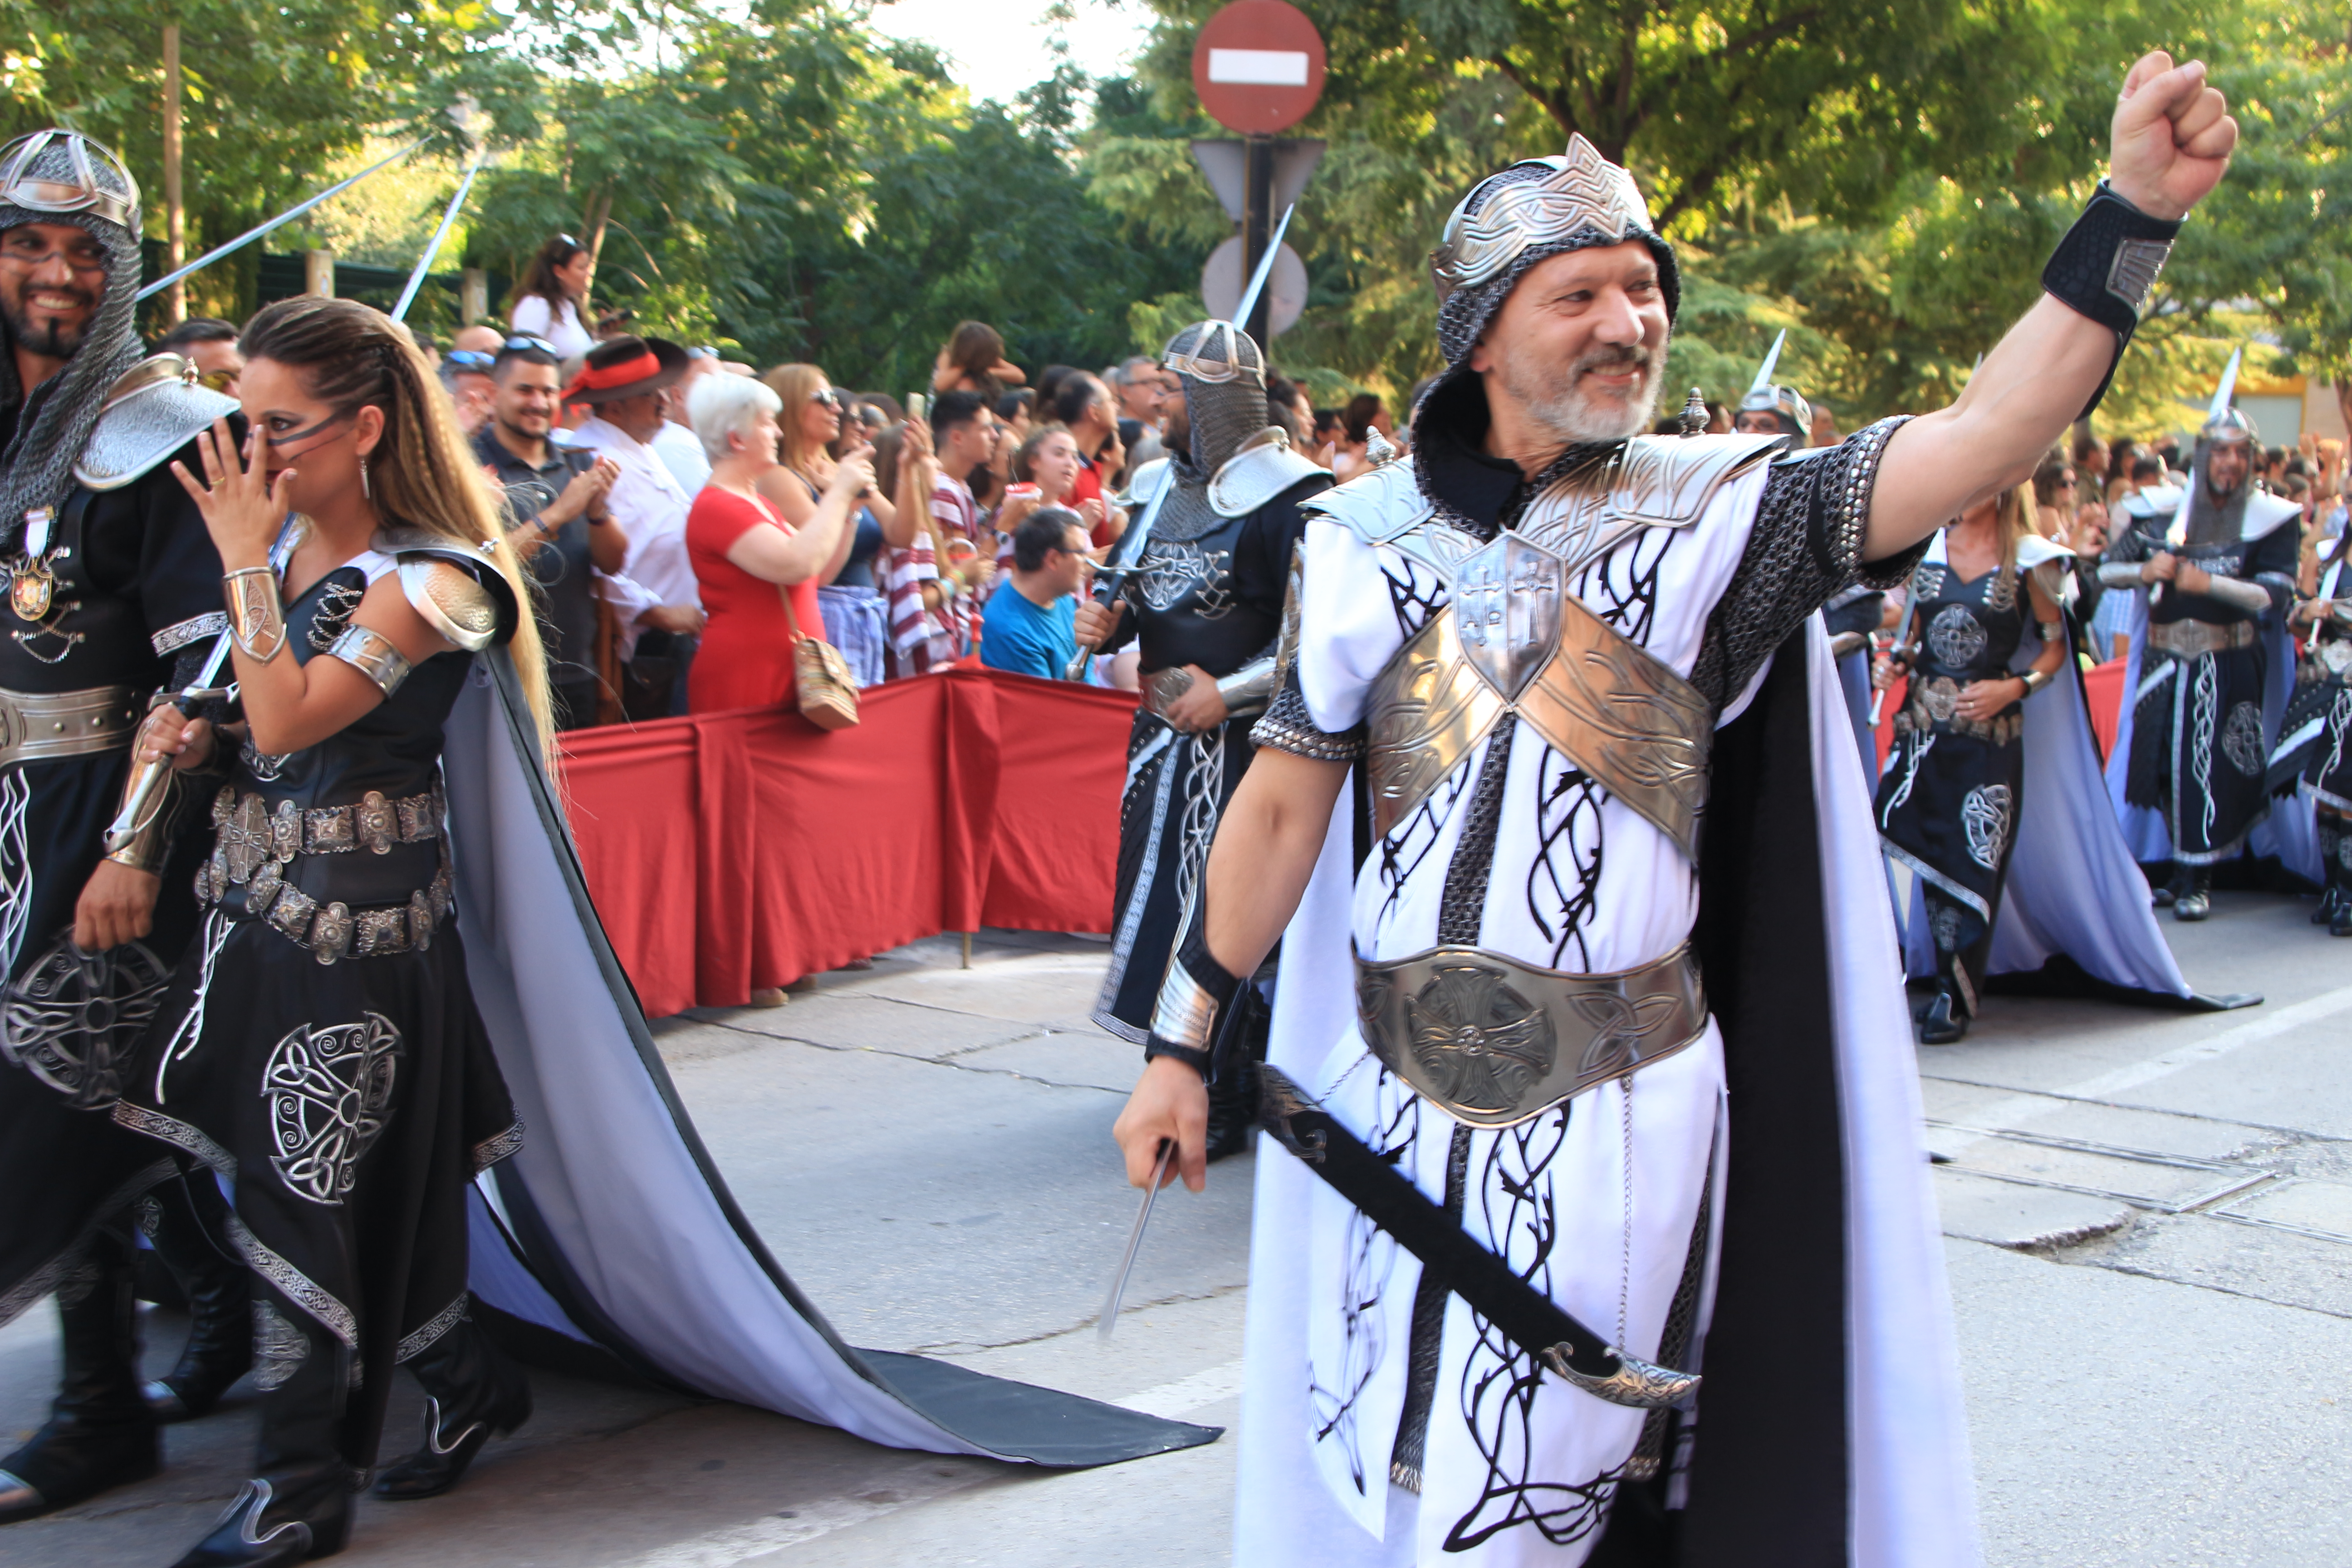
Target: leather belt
(1495, 1042)
(2188, 640)
(36, 725)
(253, 846)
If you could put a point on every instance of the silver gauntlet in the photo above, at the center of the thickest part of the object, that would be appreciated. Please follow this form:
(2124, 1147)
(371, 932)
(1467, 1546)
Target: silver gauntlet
(1247, 689)
(256, 622)
(373, 654)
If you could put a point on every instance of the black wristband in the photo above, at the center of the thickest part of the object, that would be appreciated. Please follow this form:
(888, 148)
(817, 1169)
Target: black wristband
(1196, 993)
(2106, 267)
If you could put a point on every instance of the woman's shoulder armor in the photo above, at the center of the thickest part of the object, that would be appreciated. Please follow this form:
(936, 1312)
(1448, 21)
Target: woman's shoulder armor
(457, 588)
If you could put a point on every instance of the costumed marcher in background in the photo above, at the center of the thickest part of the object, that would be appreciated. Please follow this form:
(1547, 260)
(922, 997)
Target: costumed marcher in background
(1852, 614)
(111, 585)
(1539, 1055)
(1948, 806)
(2314, 758)
(2022, 876)
(2193, 746)
(378, 1095)
(1207, 595)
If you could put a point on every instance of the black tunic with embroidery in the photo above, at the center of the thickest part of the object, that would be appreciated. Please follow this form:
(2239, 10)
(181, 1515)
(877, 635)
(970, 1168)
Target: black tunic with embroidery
(1213, 600)
(320, 1046)
(2316, 737)
(135, 587)
(2199, 753)
(1949, 800)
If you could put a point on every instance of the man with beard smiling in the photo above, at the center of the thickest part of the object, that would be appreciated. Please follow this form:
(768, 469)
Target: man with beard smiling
(1545, 1055)
(113, 581)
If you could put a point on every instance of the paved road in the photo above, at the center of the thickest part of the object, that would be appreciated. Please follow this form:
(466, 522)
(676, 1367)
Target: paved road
(2151, 1252)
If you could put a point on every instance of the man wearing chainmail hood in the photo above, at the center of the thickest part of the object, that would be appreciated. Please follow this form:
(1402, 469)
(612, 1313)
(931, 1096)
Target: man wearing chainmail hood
(1207, 596)
(2194, 747)
(1590, 1012)
(113, 581)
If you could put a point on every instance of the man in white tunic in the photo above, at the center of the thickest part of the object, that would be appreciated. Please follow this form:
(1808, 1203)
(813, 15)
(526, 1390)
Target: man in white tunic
(1662, 1074)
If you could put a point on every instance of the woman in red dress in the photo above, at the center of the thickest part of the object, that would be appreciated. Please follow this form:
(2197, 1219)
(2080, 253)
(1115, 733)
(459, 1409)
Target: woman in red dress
(747, 557)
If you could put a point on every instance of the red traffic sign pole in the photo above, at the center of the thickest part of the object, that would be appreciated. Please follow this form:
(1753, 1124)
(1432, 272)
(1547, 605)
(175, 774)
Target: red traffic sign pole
(1258, 66)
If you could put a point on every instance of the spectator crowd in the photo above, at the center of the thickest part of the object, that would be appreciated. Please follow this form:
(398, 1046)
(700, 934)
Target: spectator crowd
(690, 519)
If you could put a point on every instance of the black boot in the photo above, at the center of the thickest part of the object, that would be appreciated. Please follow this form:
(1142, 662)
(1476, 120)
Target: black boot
(472, 1392)
(299, 1506)
(2195, 900)
(2330, 901)
(99, 1434)
(192, 1240)
(1945, 1021)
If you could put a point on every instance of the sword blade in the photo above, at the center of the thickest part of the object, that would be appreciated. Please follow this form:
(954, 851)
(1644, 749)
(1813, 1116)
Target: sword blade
(1110, 1319)
(433, 246)
(288, 215)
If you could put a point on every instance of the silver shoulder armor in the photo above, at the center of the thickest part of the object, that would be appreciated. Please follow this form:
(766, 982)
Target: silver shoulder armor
(153, 410)
(457, 588)
(1376, 506)
(1261, 470)
(2265, 511)
(1666, 481)
(1141, 484)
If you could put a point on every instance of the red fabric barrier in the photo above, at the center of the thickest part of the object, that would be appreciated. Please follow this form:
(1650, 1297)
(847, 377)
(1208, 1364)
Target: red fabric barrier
(2102, 693)
(732, 851)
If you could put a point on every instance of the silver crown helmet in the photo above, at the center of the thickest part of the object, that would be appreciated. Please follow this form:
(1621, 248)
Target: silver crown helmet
(1787, 405)
(64, 177)
(2229, 427)
(1528, 212)
(1223, 373)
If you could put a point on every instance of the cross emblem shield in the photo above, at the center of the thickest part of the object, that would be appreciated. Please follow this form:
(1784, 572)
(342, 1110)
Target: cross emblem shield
(1507, 601)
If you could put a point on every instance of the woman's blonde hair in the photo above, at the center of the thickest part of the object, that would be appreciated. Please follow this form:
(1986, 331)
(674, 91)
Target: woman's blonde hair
(2016, 515)
(422, 473)
(796, 385)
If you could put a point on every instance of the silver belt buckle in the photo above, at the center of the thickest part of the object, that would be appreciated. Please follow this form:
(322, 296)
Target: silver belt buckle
(1495, 1042)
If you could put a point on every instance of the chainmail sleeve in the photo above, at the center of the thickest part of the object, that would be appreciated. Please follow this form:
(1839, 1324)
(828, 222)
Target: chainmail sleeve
(1806, 544)
(1287, 726)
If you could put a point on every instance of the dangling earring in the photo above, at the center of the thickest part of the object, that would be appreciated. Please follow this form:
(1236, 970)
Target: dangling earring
(365, 494)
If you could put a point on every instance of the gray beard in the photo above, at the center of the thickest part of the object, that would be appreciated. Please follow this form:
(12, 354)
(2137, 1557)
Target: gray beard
(1554, 402)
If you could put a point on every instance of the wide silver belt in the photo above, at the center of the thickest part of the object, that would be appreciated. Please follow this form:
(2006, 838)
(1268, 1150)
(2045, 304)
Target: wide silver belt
(2188, 640)
(253, 846)
(35, 725)
(1495, 1042)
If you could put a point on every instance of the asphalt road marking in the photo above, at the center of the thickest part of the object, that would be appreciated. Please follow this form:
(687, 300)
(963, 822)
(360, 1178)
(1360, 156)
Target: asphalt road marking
(2004, 1115)
(793, 1526)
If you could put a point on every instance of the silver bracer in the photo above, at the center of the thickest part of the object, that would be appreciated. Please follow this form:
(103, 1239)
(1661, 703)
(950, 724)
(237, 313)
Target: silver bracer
(373, 654)
(2251, 597)
(156, 408)
(1248, 690)
(1495, 1042)
(2119, 573)
(257, 619)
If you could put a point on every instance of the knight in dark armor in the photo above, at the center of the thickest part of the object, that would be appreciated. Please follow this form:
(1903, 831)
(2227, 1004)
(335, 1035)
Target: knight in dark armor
(1207, 592)
(2313, 761)
(111, 597)
(1949, 805)
(2219, 572)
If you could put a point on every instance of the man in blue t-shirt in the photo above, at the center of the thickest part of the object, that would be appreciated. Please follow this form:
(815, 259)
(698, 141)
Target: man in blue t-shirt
(1028, 630)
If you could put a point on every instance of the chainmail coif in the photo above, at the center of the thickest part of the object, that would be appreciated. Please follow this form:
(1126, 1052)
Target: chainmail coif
(36, 470)
(1224, 415)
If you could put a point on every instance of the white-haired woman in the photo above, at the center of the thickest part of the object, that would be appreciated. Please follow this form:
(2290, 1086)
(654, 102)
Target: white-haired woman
(751, 562)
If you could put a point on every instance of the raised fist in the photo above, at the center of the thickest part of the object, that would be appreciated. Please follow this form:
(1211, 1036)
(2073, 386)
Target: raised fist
(2171, 138)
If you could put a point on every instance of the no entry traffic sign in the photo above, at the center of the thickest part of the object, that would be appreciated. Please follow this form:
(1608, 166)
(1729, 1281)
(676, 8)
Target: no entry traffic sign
(1258, 66)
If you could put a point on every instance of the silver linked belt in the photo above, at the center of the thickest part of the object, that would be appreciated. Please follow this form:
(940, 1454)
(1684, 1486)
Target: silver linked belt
(253, 846)
(2188, 640)
(1495, 1042)
(36, 725)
